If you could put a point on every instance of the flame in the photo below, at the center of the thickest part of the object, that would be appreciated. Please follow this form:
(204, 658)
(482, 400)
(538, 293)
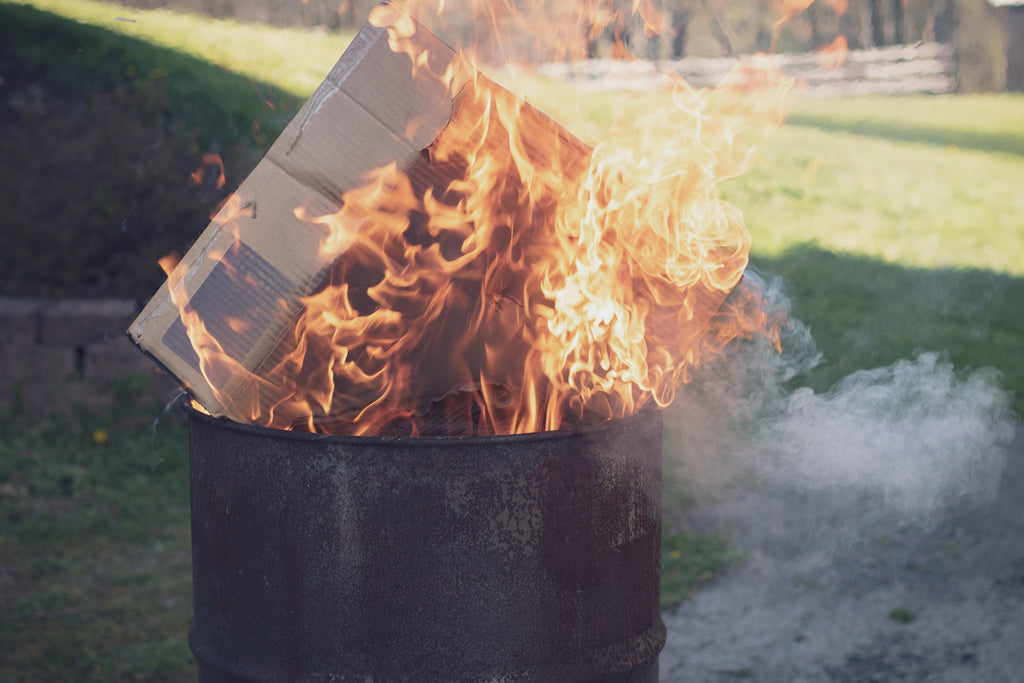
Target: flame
(209, 159)
(833, 55)
(787, 10)
(649, 251)
(221, 371)
(528, 282)
(168, 263)
(536, 30)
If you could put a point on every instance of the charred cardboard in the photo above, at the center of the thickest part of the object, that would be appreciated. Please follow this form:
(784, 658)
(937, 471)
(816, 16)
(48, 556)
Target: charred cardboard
(248, 272)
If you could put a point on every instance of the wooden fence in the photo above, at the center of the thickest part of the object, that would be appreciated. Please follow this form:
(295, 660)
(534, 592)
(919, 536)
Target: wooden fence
(901, 69)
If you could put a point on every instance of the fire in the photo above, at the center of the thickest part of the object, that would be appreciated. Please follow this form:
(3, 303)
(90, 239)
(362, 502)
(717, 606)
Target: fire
(649, 252)
(514, 280)
(210, 159)
(833, 55)
(535, 29)
(787, 10)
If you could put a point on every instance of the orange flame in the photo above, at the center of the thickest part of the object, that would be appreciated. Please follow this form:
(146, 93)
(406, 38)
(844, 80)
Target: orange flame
(833, 55)
(536, 30)
(787, 10)
(219, 369)
(168, 263)
(209, 159)
(525, 282)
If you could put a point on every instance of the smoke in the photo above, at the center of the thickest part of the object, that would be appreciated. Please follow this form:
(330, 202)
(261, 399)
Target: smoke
(808, 473)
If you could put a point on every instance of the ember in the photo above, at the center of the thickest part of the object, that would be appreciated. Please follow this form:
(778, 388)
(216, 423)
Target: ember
(460, 264)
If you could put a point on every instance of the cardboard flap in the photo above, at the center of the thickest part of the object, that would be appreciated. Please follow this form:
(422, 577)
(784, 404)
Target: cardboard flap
(257, 259)
(250, 275)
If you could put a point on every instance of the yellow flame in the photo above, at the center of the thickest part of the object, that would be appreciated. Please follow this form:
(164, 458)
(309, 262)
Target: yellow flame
(533, 283)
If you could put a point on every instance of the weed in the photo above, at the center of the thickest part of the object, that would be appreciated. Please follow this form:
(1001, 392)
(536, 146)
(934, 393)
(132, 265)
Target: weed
(95, 553)
(902, 615)
(689, 560)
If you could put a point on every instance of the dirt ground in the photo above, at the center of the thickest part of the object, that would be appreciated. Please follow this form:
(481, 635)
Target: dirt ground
(940, 602)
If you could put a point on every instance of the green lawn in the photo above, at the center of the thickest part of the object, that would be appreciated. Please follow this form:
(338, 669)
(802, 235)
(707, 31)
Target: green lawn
(96, 560)
(877, 178)
(897, 224)
(292, 59)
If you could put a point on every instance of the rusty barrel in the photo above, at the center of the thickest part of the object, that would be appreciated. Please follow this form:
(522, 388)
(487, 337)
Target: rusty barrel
(513, 558)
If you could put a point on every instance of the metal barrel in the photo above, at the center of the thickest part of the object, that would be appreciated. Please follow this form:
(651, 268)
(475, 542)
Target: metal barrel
(513, 558)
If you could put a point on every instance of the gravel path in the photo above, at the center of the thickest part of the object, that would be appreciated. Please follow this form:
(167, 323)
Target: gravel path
(937, 602)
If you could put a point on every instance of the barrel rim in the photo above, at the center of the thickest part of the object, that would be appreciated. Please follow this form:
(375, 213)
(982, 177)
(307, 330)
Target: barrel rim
(413, 441)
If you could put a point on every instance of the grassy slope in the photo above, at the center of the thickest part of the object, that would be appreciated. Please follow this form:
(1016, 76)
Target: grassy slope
(291, 59)
(99, 135)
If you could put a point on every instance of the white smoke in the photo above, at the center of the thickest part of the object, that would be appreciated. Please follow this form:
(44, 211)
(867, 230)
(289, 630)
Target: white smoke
(888, 447)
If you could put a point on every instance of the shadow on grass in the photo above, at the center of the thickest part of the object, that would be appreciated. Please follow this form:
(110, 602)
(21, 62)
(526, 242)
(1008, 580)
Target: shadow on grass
(963, 139)
(95, 552)
(86, 59)
(99, 136)
(865, 313)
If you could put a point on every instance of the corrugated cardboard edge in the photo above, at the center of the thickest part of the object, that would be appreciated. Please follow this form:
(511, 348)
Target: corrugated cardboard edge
(308, 166)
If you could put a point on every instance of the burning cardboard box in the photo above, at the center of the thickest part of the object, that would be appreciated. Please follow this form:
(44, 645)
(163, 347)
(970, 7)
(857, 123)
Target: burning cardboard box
(422, 252)
(228, 305)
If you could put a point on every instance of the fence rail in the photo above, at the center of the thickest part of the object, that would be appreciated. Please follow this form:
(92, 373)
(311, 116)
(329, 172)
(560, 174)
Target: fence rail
(901, 69)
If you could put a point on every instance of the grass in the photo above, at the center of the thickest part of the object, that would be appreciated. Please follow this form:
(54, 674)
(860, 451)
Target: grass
(902, 615)
(866, 313)
(945, 197)
(94, 532)
(893, 242)
(294, 60)
(690, 560)
(896, 223)
(100, 135)
(986, 122)
(84, 51)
